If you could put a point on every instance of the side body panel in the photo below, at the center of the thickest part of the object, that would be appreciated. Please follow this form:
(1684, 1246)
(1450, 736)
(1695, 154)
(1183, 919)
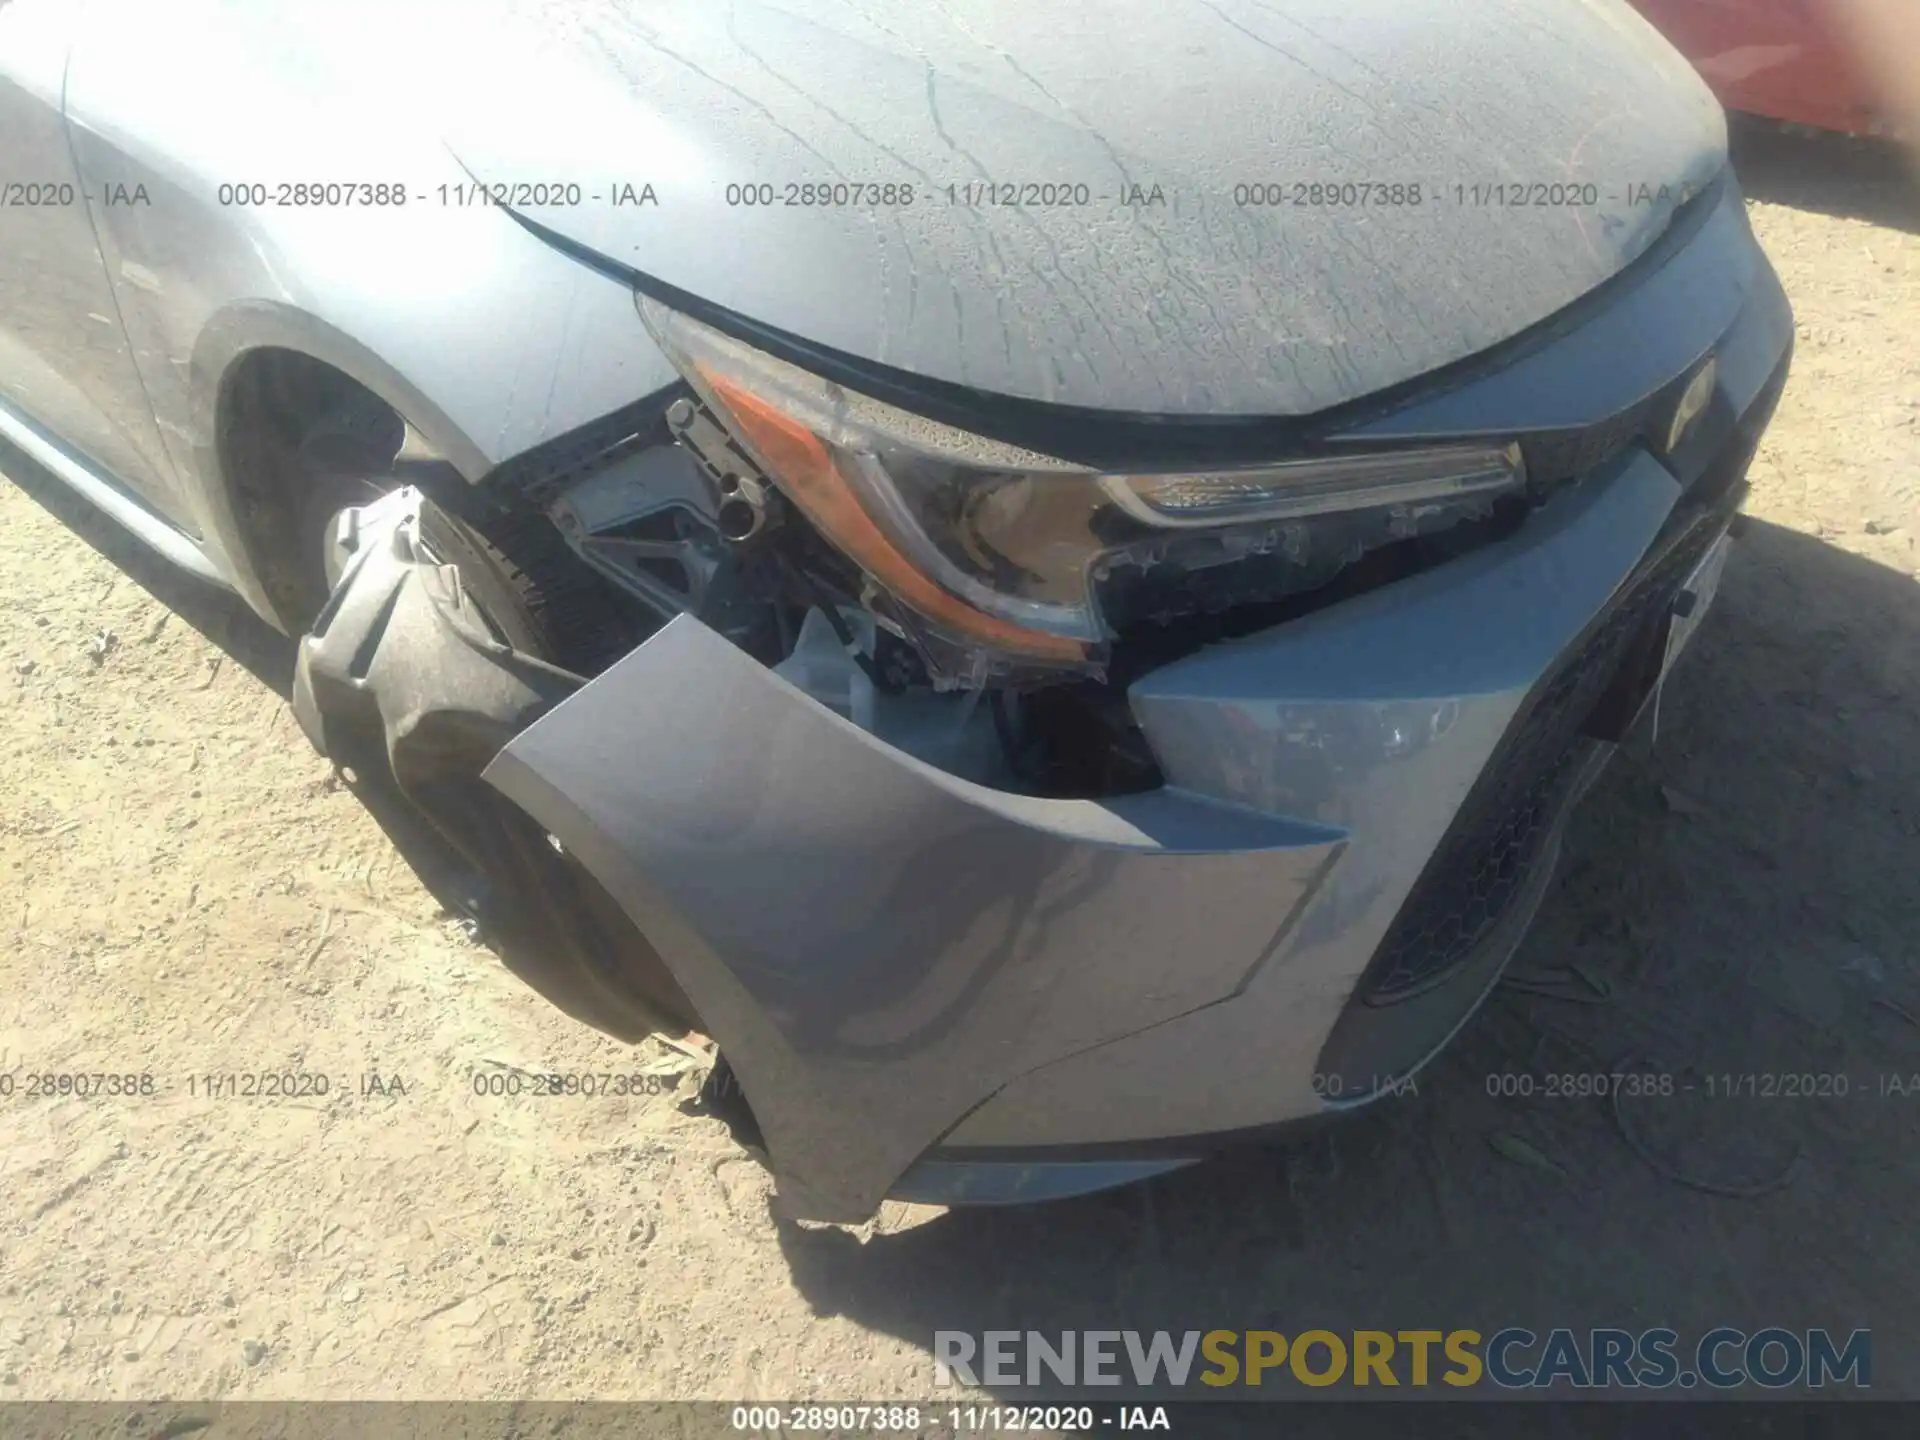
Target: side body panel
(64, 359)
(484, 338)
(1848, 65)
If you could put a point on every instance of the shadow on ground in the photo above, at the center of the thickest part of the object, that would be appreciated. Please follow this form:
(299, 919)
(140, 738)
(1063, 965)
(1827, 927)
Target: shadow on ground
(226, 621)
(217, 614)
(1742, 900)
(1856, 179)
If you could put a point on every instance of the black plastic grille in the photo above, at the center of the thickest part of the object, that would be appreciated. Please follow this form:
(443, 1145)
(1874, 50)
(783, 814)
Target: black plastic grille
(541, 475)
(1556, 456)
(1503, 828)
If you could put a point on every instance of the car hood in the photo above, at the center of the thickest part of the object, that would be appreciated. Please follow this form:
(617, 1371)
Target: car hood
(1070, 220)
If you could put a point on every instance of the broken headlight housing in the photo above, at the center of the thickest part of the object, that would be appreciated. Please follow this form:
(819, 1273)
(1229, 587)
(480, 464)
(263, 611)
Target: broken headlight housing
(997, 560)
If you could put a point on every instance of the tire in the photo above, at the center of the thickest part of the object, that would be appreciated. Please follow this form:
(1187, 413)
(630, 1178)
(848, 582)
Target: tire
(541, 598)
(547, 601)
(509, 598)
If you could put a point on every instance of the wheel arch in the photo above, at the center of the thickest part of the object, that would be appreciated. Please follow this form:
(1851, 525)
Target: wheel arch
(245, 482)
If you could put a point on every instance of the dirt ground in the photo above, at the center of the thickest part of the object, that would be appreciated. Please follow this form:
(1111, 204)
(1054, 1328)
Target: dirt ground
(185, 891)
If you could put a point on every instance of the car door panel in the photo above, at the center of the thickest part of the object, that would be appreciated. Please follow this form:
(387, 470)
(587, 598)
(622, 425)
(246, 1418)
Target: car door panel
(65, 363)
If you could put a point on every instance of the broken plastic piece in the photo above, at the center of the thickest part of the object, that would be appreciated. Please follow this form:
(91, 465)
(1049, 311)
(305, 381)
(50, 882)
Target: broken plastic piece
(825, 669)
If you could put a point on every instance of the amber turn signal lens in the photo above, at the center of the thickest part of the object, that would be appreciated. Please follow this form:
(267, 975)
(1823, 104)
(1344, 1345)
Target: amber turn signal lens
(804, 467)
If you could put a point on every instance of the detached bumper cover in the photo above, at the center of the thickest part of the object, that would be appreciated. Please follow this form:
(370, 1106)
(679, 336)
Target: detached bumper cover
(876, 945)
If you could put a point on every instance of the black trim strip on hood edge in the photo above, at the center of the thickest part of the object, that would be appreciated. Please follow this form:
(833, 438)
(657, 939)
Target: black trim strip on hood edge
(1114, 439)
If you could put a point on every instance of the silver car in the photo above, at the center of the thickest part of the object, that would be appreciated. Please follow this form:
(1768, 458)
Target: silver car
(1046, 574)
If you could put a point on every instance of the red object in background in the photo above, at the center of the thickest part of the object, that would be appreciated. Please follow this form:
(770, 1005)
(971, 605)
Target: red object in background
(1795, 60)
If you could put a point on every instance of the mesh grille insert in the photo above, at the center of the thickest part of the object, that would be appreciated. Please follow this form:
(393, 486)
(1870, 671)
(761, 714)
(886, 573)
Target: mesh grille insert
(1503, 827)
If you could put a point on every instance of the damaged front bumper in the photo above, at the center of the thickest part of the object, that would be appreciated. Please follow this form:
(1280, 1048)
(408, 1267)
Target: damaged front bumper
(907, 968)
(933, 988)
(937, 990)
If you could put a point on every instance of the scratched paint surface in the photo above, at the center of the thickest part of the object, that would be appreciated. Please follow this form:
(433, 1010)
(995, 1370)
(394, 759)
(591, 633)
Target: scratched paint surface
(1134, 270)
(1201, 304)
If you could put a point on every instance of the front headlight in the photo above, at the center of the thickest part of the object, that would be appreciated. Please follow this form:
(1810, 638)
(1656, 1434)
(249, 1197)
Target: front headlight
(995, 547)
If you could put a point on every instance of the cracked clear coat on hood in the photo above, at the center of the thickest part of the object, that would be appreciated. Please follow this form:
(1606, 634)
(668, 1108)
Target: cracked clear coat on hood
(1197, 306)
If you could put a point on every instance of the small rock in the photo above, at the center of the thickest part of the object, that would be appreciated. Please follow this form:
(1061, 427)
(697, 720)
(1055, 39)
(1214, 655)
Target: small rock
(1868, 967)
(1512, 1147)
(10, 1378)
(576, 1253)
(1877, 527)
(129, 1354)
(498, 1238)
(253, 1352)
(1894, 1007)
(25, 667)
(1681, 803)
(350, 1294)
